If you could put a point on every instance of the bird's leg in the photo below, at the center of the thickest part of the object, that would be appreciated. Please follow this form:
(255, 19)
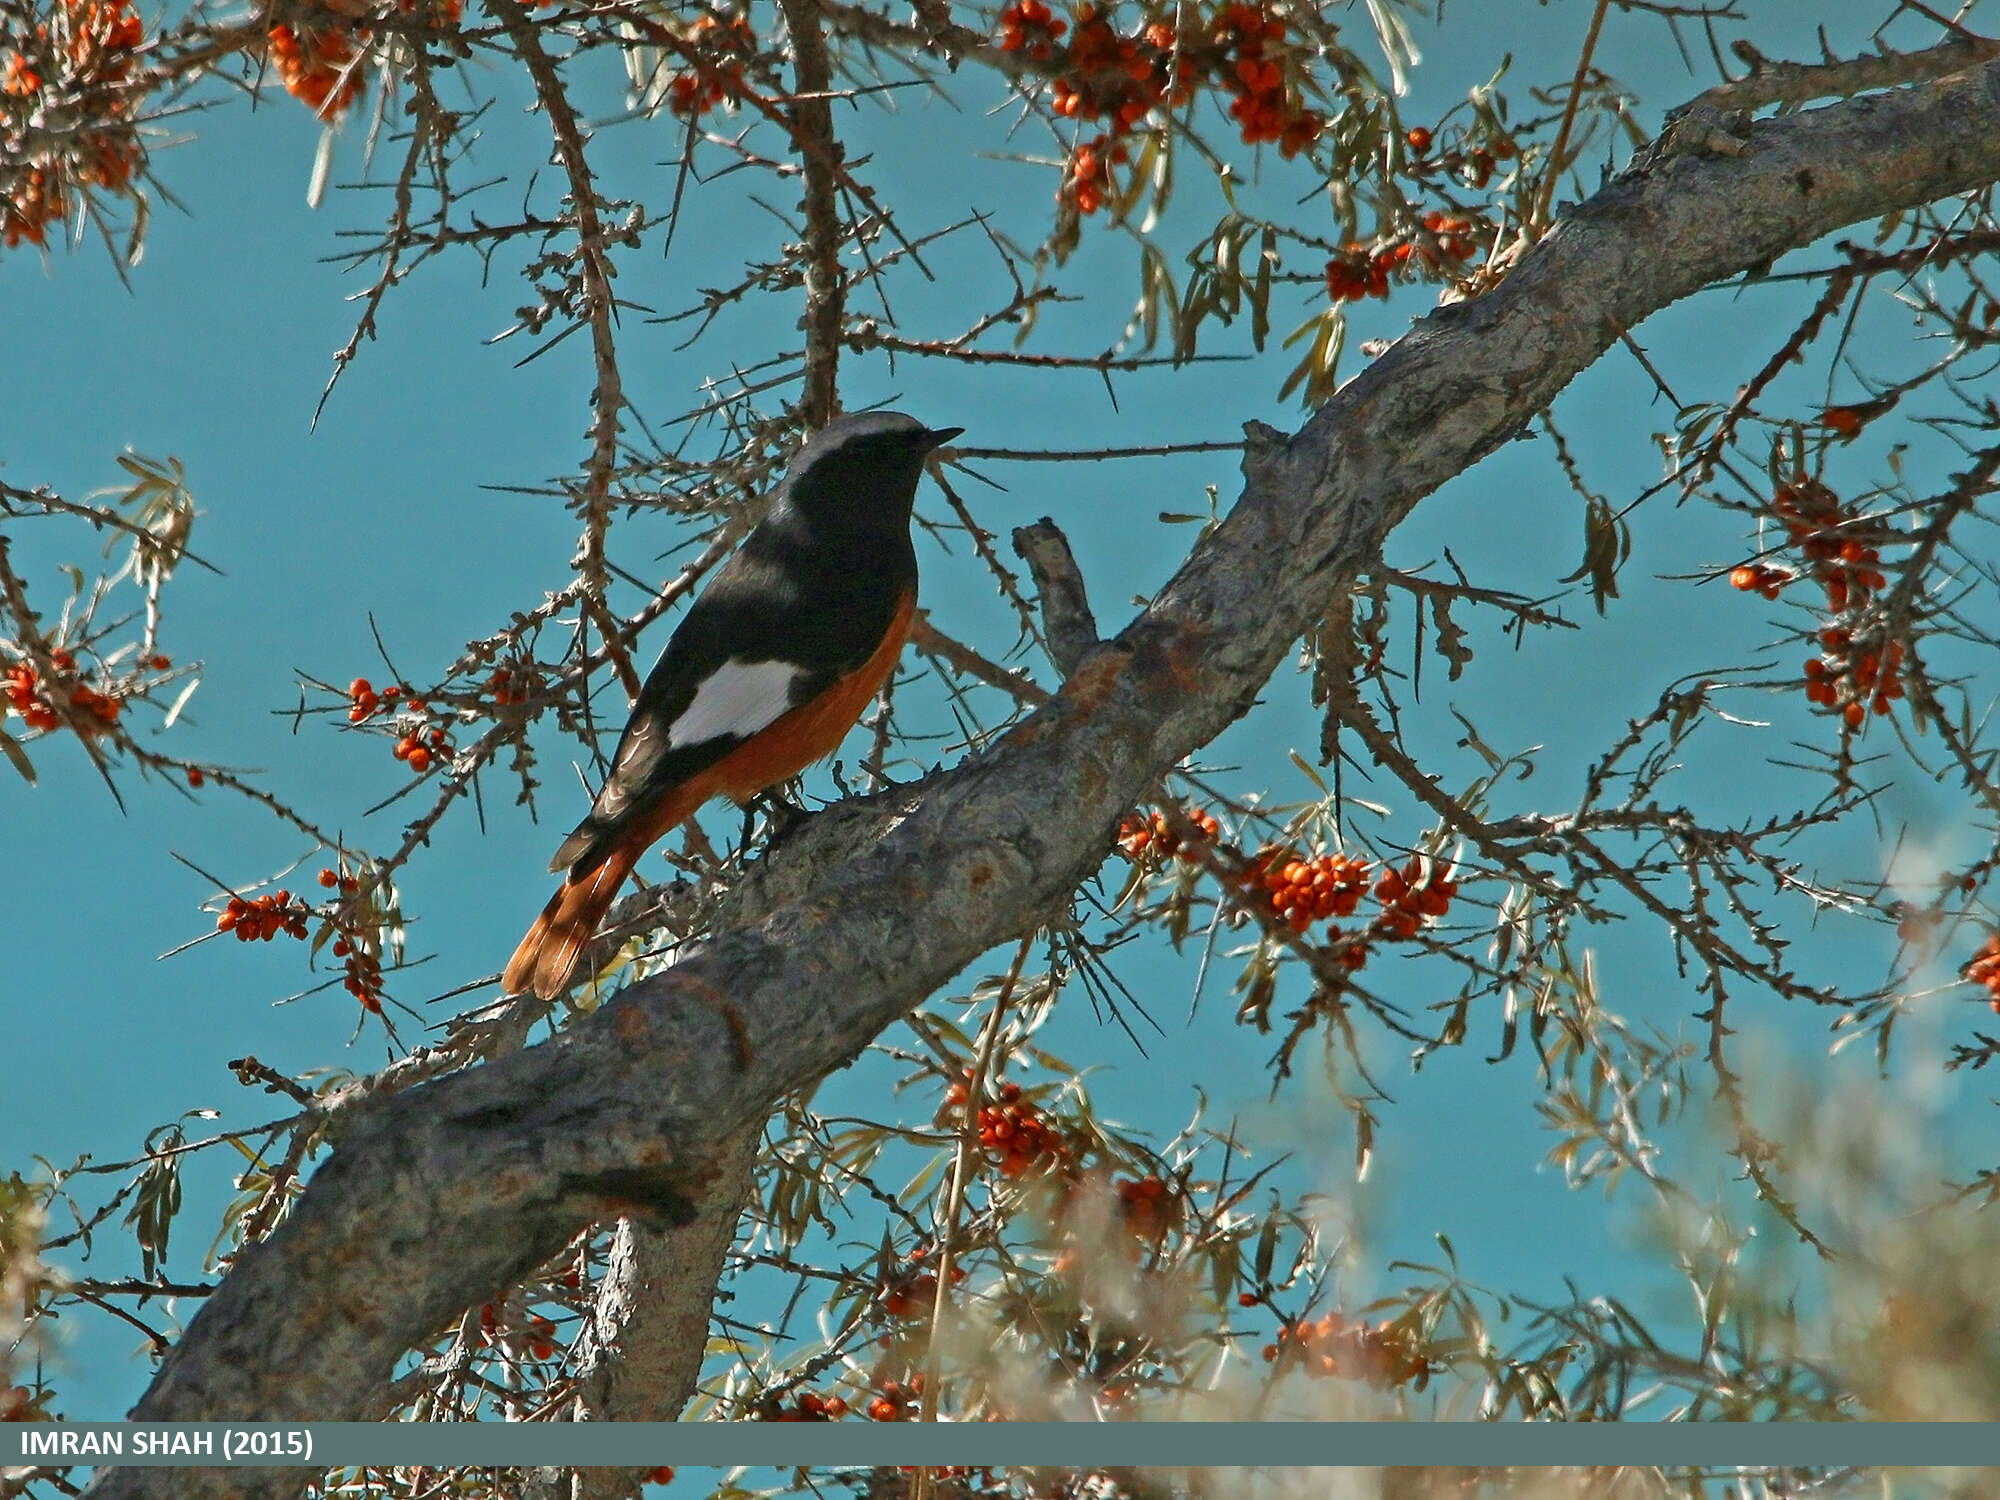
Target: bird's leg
(783, 816)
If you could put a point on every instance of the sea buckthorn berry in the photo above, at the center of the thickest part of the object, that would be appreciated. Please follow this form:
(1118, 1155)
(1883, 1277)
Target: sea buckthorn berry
(1759, 579)
(724, 45)
(320, 66)
(1419, 140)
(19, 80)
(263, 918)
(1029, 26)
(1984, 969)
(1303, 891)
(1148, 1209)
(1019, 1138)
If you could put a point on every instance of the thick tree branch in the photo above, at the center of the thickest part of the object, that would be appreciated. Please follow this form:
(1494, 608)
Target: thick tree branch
(449, 1192)
(641, 1354)
(1066, 618)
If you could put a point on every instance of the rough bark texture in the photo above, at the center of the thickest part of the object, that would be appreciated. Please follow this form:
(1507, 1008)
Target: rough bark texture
(450, 1192)
(642, 1354)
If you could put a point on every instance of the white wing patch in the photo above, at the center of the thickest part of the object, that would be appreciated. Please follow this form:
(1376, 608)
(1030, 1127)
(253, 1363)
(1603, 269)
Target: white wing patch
(740, 698)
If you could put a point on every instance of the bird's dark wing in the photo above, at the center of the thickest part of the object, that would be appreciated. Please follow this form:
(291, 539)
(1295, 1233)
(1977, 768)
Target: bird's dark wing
(771, 631)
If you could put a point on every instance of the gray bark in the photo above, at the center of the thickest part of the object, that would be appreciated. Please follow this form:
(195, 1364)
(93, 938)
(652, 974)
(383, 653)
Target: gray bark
(446, 1194)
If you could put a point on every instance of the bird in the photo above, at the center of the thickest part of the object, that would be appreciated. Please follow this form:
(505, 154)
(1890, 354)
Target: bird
(767, 671)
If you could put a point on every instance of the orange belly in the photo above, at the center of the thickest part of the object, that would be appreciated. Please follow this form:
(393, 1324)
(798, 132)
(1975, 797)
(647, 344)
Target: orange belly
(792, 741)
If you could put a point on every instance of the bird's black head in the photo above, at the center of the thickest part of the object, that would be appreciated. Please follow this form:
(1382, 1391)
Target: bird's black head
(861, 471)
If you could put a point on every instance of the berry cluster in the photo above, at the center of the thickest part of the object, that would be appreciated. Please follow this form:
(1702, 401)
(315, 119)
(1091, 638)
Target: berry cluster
(718, 78)
(263, 917)
(102, 36)
(1756, 578)
(806, 1406)
(91, 50)
(19, 1404)
(510, 684)
(1855, 682)
(364, 700)
(92, 711)
(1016, 1132)
(1475, 167)
(1383, 1355)
(1254, 40)
(1146, 1208)
(1984, 969)
(36, 203)
(1140, 832)
(1303, 891)
(419, 751)
(422, 743)
(1299, 892)
(539, 1335)
(1850, 677)
(1087, 179)
(911, 1291)
(1410, 897)
(1029, 26)
(1109, 76)
(1121, 79)
(1846, 565)
(320, 67)
(363, 965)
(1359, 272)
(899, 1401)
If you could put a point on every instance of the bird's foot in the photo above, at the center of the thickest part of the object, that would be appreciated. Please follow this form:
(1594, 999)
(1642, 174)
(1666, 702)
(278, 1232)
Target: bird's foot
(782, 818)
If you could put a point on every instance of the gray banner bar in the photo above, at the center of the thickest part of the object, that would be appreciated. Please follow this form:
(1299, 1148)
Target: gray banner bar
(1009, 1444)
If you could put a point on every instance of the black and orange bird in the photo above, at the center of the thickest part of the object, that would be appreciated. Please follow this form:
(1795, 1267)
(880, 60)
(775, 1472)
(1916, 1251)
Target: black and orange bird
(765, 674)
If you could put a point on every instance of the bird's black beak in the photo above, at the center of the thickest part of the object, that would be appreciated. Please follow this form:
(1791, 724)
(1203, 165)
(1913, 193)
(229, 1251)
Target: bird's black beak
(937, 437)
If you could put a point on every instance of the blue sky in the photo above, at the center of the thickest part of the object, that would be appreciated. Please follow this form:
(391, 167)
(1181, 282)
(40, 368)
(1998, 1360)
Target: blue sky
(393, 507)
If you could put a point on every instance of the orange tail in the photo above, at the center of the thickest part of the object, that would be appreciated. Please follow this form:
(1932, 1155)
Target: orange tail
(549, 952)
